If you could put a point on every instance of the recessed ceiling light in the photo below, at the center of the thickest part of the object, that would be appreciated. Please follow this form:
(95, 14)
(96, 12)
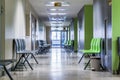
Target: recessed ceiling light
(53, 9)
(61, 9)
(63, 18)
(58, 3)
(57, 18)
(57, 13)
(56, 21)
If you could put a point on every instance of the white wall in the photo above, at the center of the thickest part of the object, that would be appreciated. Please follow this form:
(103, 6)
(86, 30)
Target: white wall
(14, 24)
(41, 32)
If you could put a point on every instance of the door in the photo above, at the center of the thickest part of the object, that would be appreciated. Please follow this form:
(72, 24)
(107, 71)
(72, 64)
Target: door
(33, 32)
(108, 37)
(56, 39)
(63, 37)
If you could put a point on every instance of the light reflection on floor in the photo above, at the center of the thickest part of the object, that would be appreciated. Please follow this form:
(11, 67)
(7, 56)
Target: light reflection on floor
(59, 65)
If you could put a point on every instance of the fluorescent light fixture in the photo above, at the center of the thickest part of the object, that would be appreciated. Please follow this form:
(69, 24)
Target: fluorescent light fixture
(56, 28)
(58, 25)
(55, 22)
(53, 9)
(57, 13)
(58, 3)
(58, 19)
(61, 9)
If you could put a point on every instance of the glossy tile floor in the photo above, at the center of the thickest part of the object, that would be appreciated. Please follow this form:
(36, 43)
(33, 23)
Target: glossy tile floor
(59, 65)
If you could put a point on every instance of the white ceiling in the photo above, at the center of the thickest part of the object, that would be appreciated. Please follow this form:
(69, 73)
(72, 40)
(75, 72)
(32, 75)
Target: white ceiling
(71, 11)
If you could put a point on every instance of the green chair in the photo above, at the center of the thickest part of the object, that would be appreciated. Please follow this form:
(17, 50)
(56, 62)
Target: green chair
(70, 45)
(66, 43)
(95, 49)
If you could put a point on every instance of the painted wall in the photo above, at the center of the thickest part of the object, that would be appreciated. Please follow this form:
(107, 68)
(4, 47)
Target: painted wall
(68, 32)
(41, 31)
(115, 33)
(85, 17)
(75, 34)
(71, 28)
(14, 24)
(88, 13)
(15, 19)
(81, 29)
(48, 34)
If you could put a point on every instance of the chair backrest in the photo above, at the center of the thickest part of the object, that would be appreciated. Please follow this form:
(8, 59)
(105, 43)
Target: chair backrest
(70, 42)
(17, 47)
(65, 42)
(20, 45)
(96, 47)
(92, 45)
(98, 44)
(23, 45)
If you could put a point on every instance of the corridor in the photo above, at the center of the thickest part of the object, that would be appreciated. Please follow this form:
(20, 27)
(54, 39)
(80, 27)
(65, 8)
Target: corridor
(59, 65)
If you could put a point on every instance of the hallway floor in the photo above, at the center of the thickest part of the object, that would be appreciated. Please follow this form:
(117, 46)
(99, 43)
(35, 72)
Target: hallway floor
(59, 65)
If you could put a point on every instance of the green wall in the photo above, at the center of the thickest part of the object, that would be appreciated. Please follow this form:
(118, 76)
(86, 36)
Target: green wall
(115, 32)
(75, 35)
(88, 24)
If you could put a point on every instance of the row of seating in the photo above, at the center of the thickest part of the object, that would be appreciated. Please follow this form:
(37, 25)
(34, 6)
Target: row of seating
(42, 46)
(69, 45)
(20, 48)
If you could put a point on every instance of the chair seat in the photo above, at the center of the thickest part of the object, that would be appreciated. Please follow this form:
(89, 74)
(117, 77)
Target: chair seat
(90, 51)
(27, 52)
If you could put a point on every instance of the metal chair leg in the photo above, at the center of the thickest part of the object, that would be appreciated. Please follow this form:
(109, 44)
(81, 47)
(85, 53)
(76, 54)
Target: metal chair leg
(26, 58)
(87, 64)
(8, 73)
(28, 62)
(81, 58)
(18, 62)
(34, 58)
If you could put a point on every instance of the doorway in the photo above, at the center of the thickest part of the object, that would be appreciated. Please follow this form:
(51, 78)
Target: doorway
(58, 38)
(33, 32)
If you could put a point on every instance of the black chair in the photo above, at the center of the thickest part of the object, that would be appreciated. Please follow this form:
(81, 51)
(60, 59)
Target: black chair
(43, 46)
(4, 63)
(24, 54)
